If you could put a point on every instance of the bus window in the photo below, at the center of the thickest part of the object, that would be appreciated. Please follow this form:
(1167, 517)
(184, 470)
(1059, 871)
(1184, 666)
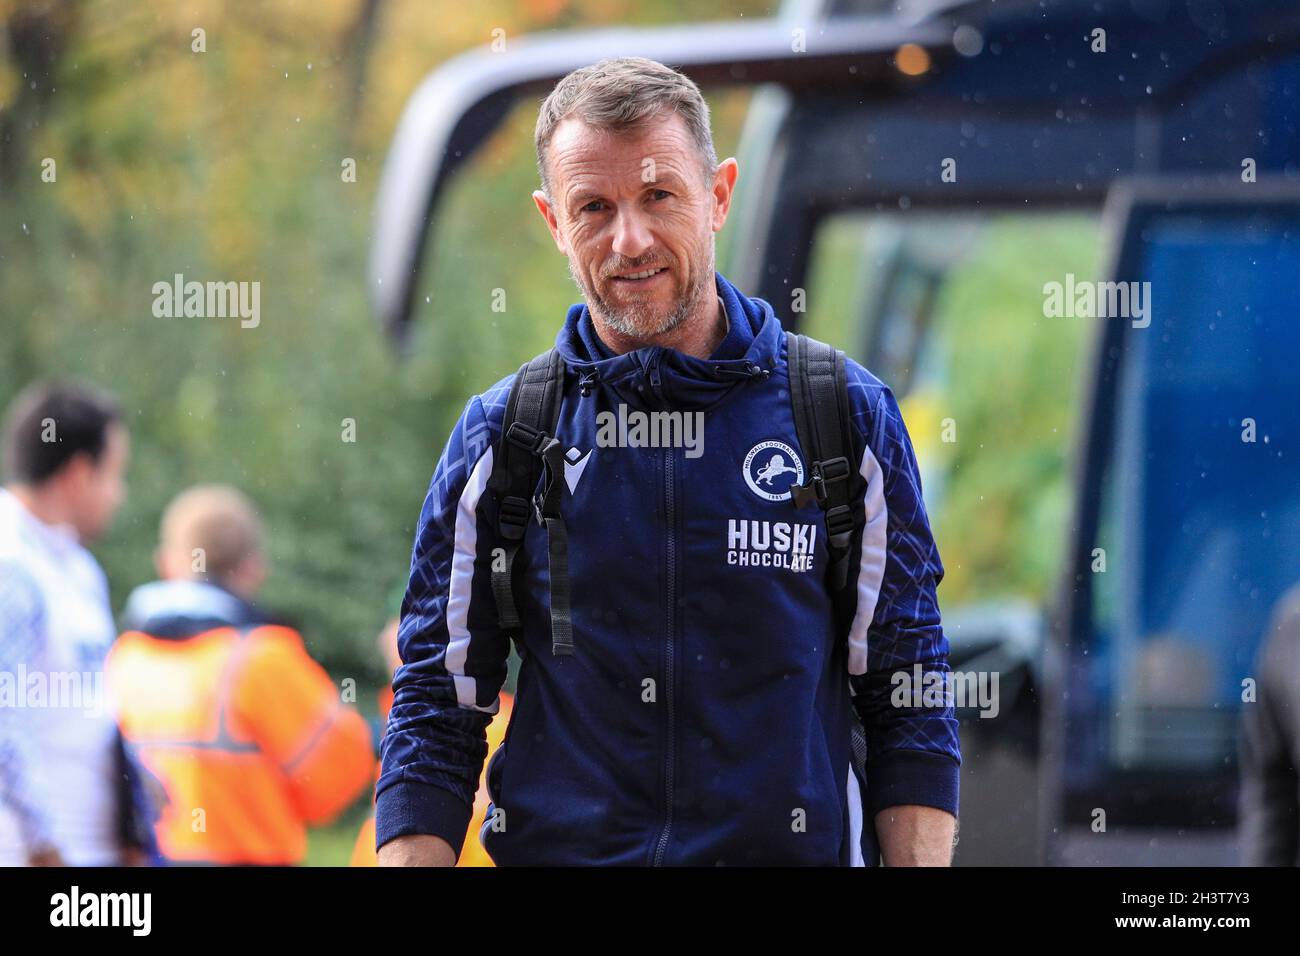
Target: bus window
(1199, 510)
(948, 311)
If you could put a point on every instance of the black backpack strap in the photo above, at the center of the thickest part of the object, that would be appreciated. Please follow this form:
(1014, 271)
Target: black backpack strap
(526, 449)
(820, 396)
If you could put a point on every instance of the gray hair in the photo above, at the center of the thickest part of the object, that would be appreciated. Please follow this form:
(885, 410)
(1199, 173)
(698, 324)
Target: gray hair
(621, 94)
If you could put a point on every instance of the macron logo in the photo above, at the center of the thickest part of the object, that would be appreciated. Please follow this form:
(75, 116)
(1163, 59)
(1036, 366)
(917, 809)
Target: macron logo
(575, 463)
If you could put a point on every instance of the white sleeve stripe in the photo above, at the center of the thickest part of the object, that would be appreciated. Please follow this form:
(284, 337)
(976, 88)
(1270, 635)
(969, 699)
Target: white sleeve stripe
(871, 569)
(464, 551)
(856, 813)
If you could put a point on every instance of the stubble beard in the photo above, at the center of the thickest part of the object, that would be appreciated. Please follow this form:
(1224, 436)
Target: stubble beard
(633, 321)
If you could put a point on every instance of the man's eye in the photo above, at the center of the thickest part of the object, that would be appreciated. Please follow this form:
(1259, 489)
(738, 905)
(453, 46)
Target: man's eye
(661, 194)
(592, 206)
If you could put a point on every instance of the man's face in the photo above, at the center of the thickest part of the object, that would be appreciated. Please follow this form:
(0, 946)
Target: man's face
(623, 204)
(98, 488)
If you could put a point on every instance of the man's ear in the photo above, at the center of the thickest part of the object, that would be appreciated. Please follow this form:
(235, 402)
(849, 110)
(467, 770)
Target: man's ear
(544, 207)
(724, 185)
(77, 473)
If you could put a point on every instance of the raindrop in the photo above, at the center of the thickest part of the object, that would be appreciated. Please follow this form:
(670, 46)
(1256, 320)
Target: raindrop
(967, 41)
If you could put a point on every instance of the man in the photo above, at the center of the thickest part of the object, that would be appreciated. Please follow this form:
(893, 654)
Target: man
(66, 784)
(248, 735)
(703, 712)
(1269, 745)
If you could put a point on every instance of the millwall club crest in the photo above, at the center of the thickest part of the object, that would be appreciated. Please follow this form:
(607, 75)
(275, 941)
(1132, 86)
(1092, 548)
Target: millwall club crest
(771, 469)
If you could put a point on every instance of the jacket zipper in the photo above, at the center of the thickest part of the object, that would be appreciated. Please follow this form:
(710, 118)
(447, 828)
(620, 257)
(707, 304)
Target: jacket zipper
(651, 371)
(670, 655)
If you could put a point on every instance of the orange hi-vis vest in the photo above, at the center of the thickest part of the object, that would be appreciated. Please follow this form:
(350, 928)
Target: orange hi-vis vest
(248, 736)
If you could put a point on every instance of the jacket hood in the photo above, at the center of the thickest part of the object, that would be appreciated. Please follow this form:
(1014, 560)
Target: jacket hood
(659, 377)
(184, 608)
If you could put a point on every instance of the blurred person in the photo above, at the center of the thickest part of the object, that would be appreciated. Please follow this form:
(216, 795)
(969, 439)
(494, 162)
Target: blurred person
(247, 733)
(1269, 745)
(708, 630)
(363, 853)
(69, 792)
(363, 849)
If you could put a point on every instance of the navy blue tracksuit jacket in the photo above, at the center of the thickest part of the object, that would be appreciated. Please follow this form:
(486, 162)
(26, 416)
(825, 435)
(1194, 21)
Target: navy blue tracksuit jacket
(705, 718)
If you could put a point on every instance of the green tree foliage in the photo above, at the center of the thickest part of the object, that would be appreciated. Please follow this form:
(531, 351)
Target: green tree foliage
(225, 165)
(993, 372)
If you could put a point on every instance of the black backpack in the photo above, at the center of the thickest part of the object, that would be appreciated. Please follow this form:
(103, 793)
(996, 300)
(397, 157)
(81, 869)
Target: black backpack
(527, 449)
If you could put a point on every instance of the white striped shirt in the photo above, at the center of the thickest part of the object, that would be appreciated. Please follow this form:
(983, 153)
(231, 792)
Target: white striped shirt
(57, 737)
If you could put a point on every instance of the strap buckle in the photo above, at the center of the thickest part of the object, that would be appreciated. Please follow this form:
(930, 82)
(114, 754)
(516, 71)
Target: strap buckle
(839, 521)
(823, 473)
(826, 472)
(528, 438)
(512, 516)
(546, 447)
(546, 504)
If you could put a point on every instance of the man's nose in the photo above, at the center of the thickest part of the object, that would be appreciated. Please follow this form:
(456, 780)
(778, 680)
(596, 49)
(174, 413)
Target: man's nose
(631, 234)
